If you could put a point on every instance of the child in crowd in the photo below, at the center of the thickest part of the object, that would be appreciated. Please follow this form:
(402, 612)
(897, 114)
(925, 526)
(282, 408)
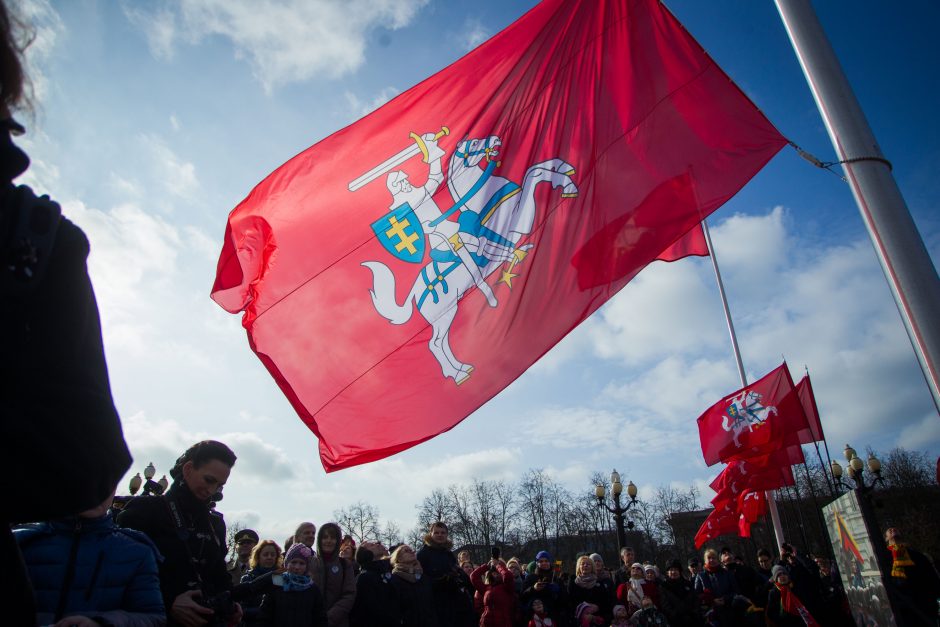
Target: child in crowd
(621, 619)
(539, 617)
(587, 615)
(649, 616)
(296, 601)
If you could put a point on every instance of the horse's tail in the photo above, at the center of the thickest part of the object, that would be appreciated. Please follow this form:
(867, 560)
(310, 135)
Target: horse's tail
(383, 294)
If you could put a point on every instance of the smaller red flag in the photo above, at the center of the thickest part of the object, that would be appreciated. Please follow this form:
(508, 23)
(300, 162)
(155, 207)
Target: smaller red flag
(744, 527)
(757, 419)
(752, 505)
(804, 390)
(761, 472)
(692, 244)
(719, 522)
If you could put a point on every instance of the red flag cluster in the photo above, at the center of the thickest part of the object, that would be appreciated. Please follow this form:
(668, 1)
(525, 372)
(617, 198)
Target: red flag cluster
(404, 270)
(758, 430)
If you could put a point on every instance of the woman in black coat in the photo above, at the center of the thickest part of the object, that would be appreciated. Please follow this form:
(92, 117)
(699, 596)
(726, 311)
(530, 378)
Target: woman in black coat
(677, 598)
(412, 590)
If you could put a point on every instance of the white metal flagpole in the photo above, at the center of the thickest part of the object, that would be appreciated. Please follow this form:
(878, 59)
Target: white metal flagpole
(908, 269)
(771, 501)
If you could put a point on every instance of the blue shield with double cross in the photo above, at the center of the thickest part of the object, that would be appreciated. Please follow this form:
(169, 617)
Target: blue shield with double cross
(400, 233)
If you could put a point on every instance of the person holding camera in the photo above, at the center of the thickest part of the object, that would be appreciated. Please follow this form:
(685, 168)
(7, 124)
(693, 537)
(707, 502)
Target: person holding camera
(194, 578)
(495, 583)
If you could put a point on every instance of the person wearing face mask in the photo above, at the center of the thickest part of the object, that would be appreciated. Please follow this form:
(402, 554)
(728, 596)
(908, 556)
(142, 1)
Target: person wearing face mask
(194, 578)
(334, 576)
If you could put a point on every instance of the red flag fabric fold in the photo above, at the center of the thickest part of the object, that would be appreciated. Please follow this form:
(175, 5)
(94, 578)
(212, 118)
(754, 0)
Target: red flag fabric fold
(804, 390)
(692, 244)
(401, 272)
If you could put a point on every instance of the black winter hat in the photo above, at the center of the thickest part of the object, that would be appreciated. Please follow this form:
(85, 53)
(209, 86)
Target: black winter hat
(364, 556)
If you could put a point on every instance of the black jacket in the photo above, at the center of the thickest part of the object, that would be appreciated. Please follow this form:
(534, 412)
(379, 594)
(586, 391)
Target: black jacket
(298, 608)
(197, 535)
(376, 605)
(415, 602)
(59, 418)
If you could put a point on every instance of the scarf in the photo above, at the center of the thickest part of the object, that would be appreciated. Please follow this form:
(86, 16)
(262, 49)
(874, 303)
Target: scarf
(713, 569)
(446, 546)
(541, 620)
(637, 585)
(791, 604)
(410, 572)
(296, 583)
(901, 559)
(586, 581)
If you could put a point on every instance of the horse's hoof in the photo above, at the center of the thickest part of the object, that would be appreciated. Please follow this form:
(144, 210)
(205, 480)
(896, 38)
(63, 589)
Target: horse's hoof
(569, 172)
(462, 376)
(574, 195)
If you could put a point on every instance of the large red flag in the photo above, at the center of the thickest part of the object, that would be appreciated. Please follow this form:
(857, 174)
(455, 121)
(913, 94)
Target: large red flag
(759, 418)
(401, 272)
(804, 389)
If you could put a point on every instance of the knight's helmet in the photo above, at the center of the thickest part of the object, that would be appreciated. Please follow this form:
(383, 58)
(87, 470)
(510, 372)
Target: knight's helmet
(396, 181)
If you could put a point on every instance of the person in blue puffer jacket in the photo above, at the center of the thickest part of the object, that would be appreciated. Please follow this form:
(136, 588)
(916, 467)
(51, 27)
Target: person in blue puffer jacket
(86, 571)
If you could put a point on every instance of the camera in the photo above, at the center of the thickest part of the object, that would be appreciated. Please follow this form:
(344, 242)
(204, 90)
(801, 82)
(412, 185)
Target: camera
(222, 604)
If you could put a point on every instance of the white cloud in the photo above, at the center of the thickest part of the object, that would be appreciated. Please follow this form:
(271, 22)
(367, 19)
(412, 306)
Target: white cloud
(670, 308)
(45, 29)
(176, 176)
(175, 123)
(571, 428)
(284, 40)
(359, 108)
(159, 26)
(474, 33)
(919, 435)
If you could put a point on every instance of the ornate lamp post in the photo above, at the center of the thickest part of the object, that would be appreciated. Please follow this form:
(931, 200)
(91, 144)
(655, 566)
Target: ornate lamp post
(617, 510)
(151, 487)
(855, 468)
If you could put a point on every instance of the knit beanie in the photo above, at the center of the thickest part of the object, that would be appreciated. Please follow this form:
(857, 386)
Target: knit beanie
(298, 552)
(777, 570)
(543, 555)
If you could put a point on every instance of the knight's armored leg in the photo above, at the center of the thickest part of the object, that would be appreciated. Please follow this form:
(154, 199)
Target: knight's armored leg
(473, 269)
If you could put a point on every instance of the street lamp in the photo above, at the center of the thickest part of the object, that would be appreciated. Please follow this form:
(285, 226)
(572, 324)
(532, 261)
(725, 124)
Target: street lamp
(856, 470)
(617, 510)
(151, 487)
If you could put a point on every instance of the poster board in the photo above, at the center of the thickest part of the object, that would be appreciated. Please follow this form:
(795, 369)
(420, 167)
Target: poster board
(857, 557)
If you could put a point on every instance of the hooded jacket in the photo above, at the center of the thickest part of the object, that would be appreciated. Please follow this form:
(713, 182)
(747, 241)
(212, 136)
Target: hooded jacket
(89, 566)
(335, 577)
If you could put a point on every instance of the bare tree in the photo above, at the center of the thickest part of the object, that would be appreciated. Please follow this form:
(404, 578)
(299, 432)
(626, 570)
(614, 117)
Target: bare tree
(359, 520)
(390, 534)
(533, 507)
(436, 506)
(902, 468)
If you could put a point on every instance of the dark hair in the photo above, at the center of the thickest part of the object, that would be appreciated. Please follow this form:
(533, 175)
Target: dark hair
(15, 37)
(438, 523)
(764, 553)
(201, 453)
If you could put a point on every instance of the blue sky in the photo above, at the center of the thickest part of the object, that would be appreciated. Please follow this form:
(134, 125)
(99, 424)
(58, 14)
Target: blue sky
(154, 120)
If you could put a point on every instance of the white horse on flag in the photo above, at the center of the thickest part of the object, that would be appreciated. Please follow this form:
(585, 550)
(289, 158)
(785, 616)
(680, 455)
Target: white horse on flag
(497, 214)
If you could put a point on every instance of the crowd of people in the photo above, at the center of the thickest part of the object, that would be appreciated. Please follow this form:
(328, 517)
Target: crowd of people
(162, 559)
